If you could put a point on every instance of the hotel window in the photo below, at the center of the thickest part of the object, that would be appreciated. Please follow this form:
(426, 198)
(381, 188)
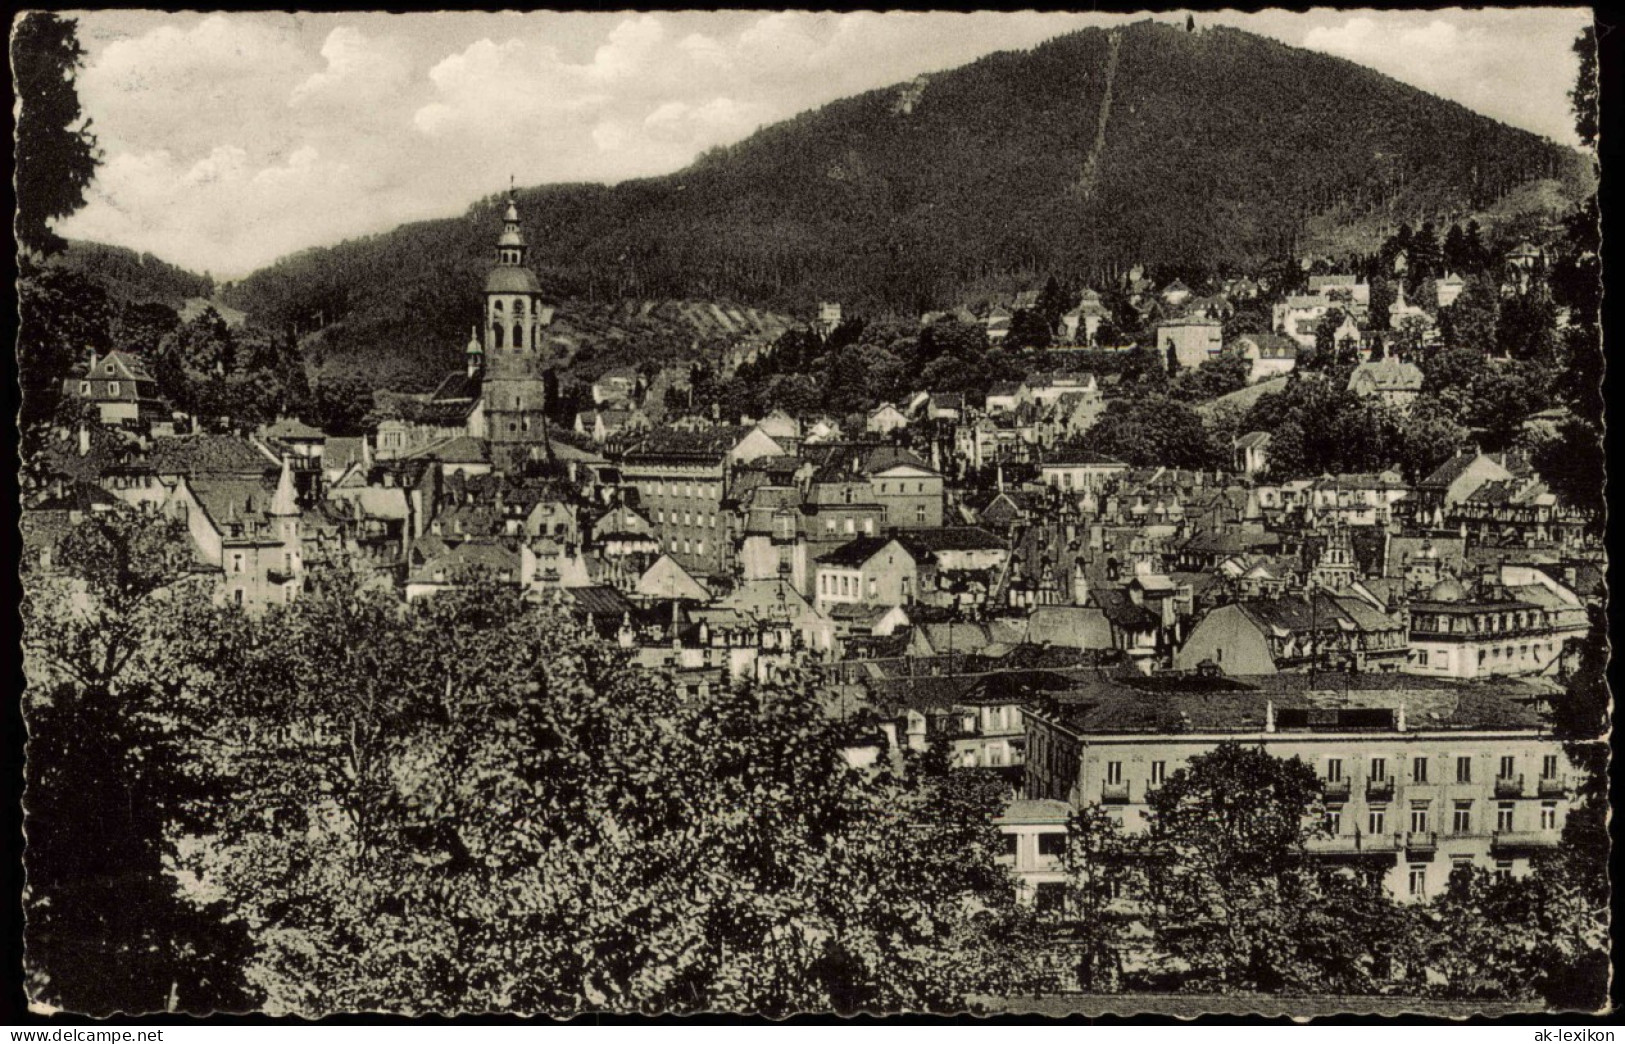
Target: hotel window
(1548, 815)
(1419, 820)
(829, 525)
(701, 549)
(1334, 820)
(1508, 763)
(1052, 844)
(1419, 880)
(1462, 821)
(851, 525)
(1419, 770)
(1548, 767)
(1334, 770)
(1159, 772)
(1503, 816)
(1114, 772)
(84, 387)
(1010, 841)
(238, 594)
(236, 563)
(919, 513)
(1464, 769)
(869, 526)
(1379, 769)
(112, 388)
(874, 587)
(1503, 870)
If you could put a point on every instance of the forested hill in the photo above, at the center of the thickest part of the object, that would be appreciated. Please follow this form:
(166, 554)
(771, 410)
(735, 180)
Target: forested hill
(131, 277)
(1088, 153)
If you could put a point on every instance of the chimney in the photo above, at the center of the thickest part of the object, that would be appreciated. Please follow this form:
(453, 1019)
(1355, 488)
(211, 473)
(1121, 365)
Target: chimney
(1269, 715)
(84, 440)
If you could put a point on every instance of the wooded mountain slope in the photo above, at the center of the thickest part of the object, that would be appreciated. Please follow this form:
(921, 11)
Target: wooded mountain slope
(1219, 147)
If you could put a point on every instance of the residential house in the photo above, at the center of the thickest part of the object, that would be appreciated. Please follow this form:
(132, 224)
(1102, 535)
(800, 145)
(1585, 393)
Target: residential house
(1192, 340)
(121, 389)
(1074, 470)
(885, 419)
(1394, 382)
(1319, 631)
(1267, 355)
(1252, 452)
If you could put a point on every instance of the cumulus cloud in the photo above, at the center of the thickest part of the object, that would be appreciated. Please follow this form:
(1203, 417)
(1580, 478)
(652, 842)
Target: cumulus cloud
(358, 69)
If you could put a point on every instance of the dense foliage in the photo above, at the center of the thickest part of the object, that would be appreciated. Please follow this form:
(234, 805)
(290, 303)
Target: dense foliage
(468, 804)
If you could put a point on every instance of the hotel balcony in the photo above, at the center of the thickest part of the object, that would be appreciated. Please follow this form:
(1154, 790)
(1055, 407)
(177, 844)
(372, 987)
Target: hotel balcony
(1553, 786)
(1523, 840)
(1114, 793)
(1356, 845)
(1421, 845)
(1509, 787)
(1379, 789)
(1335, 789)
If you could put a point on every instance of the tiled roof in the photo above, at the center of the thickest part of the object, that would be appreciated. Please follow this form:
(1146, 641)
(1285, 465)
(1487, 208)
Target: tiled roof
(208, 455)
(854, 553)
(464, 449)
(1068, 456)
(952, 538)
(713, 443)
(600, 601)
(1102, 705)
(293, 428)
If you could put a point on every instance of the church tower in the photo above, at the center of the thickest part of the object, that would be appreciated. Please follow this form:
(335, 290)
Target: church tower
(514, 388)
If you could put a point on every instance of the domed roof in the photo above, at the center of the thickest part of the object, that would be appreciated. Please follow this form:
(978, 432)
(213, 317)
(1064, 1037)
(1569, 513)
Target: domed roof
(1446, 590)
(511, 279)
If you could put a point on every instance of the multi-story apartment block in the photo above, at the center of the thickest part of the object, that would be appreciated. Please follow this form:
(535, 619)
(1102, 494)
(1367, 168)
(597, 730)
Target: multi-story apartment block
(682, 482)
(1417, 776)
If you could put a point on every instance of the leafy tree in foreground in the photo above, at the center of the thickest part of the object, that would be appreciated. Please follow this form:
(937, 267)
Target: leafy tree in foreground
(108, 930)
(1228, 868)
(471, 804)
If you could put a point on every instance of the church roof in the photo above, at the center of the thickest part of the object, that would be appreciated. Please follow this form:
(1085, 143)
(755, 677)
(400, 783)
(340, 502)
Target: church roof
(511, 279)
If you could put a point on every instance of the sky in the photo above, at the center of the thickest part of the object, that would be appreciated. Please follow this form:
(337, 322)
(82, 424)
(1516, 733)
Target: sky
(230, 140)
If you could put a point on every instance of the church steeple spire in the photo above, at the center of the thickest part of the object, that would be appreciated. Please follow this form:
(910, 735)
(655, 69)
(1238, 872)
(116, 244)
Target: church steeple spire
(511, 246)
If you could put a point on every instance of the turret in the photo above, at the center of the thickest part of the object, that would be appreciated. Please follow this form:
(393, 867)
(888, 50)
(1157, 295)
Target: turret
(474, 353)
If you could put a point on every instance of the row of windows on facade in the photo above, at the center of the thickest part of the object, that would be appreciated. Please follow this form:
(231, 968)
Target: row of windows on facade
(239, 565)
(1461, 818)
(689, 489)
(1506, 769)
(1441, 657)
(833, 585)
(240, 597)
(1483, 623)
(1377, 769)
(686, 518)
